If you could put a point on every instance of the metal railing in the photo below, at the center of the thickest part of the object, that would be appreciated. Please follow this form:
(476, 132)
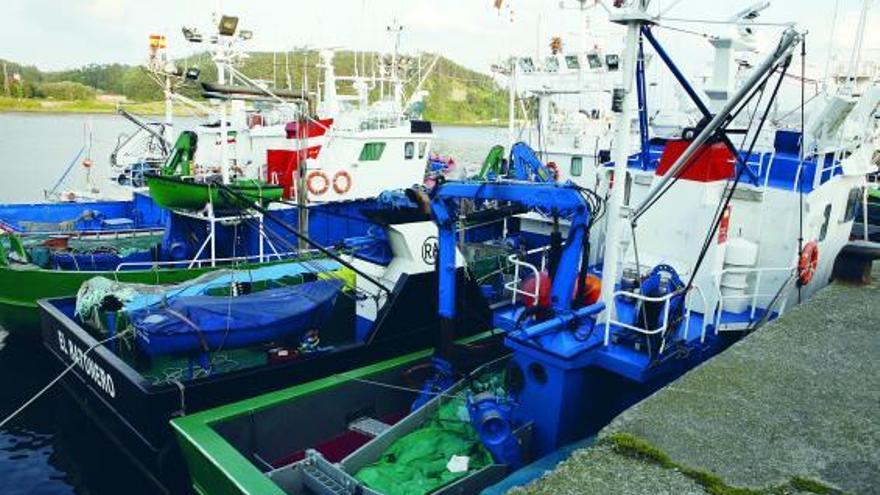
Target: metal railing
(513, 285)
(753, 291)
(642, 299)
(666, 308)
(199, 263)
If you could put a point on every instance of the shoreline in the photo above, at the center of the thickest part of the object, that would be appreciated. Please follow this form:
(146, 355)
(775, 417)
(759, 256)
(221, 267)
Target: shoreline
(151, 109)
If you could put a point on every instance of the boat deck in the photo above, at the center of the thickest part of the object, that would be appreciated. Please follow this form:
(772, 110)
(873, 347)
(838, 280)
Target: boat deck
(791, 407)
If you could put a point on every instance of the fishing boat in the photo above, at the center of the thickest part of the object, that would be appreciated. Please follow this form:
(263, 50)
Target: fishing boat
(233, 334)
(707, 242)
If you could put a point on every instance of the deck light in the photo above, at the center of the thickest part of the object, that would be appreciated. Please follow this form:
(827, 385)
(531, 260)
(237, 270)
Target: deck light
(192, 35)
(228, 25)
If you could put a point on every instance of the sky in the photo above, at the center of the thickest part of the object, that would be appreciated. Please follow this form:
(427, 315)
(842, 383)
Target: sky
(62, 34)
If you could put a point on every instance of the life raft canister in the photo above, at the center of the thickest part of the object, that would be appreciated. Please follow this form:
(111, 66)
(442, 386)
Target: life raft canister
(808, 263)
(343, 176)
(321, 177)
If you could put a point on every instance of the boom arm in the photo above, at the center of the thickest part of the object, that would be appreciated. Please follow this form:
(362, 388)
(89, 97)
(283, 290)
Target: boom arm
(561, 199)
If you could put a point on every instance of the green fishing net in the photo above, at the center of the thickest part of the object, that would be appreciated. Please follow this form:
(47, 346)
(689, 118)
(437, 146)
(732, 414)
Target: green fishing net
(416, 463)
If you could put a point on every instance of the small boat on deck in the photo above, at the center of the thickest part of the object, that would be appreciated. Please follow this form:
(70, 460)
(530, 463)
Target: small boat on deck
(187, 193)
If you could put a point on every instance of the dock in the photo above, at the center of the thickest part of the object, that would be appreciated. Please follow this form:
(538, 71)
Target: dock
(792, 408)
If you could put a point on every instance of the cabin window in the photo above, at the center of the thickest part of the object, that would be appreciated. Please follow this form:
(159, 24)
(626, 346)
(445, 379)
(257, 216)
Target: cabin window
(423, 149)
(526, 64)
(409, 150)
(613, 62)
(577, 166)
(827, 217)
(572, 62)
(552, 64)
(372, 152)
(594, 61)
(853, 204)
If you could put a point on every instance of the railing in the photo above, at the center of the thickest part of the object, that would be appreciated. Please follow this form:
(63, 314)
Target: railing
(755, 290)
(198, 263)
(642, 299)
(666, 307)
(513, 285)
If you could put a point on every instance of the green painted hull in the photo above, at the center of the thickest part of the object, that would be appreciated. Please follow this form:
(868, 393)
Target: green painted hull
(218, 468)
(175, 193)
(21, 287)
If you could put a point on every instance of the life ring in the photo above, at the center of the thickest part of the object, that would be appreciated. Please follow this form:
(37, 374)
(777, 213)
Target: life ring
(342, 174)
(322, 177)
(808, 263)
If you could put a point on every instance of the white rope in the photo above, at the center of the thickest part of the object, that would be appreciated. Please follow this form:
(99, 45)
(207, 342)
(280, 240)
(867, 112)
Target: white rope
(58, 378)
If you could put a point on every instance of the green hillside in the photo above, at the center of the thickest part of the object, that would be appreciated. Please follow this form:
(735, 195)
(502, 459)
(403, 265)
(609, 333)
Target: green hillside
(456, 94)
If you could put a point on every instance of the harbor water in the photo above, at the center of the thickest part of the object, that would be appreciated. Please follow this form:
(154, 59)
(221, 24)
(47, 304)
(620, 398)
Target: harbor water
(52, 447)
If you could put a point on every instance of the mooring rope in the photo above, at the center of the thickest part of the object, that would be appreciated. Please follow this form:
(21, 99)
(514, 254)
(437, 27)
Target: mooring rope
(58, 378)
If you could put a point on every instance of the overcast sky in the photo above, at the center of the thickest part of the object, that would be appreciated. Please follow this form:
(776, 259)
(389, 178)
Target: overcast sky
(58, 34)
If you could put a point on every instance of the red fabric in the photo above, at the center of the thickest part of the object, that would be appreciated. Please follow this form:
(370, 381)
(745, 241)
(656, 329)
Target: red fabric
(313, 129)
(712, 162)
(281, 166)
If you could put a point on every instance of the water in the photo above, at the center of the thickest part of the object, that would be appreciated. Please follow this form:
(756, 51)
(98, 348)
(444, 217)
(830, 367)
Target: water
(52, 447)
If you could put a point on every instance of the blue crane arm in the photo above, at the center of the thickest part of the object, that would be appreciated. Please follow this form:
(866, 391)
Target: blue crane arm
(525, 165)
(561, 199)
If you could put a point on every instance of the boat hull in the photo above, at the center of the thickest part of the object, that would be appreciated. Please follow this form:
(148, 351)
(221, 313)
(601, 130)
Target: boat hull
(21, 288)
(175, 193)
(136, 413)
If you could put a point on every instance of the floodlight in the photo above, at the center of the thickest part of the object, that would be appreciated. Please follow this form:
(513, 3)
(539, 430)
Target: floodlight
(228, 25)
(192, 35)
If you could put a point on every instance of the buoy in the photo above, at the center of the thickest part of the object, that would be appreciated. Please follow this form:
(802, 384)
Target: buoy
(528, 285)
(346, 178)
(593, 289)
(322, 178)
(808, 263)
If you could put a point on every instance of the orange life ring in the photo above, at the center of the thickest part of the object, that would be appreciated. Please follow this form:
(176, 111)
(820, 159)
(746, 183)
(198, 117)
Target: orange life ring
(808, 263)
(342, 174)
(325, 182)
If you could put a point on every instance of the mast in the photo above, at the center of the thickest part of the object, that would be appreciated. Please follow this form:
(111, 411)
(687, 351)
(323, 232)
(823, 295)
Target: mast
(395, 29)
(849, 87)
(632, 18)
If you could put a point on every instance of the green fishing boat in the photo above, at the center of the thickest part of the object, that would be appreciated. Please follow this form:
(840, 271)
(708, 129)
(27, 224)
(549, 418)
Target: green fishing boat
(183, 193)
(22, 285)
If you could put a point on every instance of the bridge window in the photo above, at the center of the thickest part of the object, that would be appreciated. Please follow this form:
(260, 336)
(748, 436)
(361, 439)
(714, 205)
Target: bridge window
(577, 166)
(409, 150)
(372, 152)
(423, 149)
(826, 218)
(853, 202)
(572, 62)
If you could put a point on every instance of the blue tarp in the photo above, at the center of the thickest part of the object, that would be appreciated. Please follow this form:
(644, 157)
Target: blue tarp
(205, 323)
(202, 285)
